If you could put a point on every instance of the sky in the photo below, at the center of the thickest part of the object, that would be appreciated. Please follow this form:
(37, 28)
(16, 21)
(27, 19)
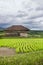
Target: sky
(28, 13)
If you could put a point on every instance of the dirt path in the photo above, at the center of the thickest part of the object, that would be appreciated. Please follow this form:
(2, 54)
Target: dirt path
(4, 51)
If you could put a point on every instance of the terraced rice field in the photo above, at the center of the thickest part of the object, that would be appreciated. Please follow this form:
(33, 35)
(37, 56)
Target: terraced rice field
(30, 49)
(23, 45)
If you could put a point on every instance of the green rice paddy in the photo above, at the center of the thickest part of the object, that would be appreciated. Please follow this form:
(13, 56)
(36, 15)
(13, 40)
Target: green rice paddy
(23, 45)
(29, 51)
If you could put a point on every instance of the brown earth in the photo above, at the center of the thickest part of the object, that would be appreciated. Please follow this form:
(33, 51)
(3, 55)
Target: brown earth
(4, 51)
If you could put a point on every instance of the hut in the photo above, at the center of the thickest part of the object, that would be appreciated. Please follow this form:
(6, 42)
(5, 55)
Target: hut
(17, 30)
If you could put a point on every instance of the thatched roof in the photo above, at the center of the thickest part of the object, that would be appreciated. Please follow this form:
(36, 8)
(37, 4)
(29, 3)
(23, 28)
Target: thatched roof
(17, 28)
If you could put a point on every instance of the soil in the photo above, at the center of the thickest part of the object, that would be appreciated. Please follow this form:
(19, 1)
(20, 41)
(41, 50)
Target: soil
(4, 51)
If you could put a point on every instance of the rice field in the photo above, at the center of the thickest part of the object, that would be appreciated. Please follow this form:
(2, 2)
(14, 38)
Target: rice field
(23, 45)
(29, 51)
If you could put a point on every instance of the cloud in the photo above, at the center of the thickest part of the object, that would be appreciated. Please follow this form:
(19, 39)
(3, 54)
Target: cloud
(22, 12)
(39, 8)
(4, 25)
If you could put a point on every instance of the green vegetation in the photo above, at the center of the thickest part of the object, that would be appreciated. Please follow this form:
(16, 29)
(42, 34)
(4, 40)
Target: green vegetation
(29, 51)
(35, 34)
(23, 44)
(34, 58)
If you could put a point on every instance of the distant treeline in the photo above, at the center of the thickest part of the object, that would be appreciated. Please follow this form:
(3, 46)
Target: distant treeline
(35, 33)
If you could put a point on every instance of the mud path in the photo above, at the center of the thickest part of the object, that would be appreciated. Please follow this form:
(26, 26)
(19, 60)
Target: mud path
(4, 51)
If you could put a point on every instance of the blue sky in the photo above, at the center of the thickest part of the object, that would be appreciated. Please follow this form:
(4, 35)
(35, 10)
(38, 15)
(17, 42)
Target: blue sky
(22, 12)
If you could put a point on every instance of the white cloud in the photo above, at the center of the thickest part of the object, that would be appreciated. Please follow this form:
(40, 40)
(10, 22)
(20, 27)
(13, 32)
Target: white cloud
(21, 12)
